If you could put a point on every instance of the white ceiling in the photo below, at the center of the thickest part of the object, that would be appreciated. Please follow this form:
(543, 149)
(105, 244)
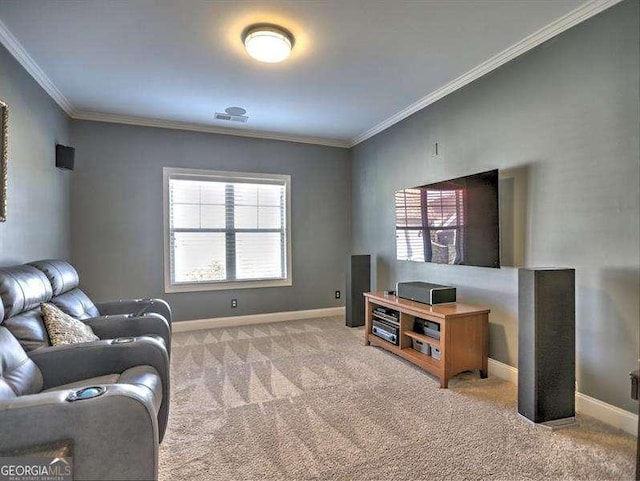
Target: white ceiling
(357, 65)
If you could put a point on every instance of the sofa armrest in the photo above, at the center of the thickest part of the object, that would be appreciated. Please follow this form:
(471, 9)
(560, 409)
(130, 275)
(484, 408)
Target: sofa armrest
(115, 435)
(136, 306)
(123, 325)
(69, 363)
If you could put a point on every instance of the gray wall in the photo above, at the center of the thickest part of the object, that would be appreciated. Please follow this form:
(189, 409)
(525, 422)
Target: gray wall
(117, 240)
(561, 122)
(37, 223)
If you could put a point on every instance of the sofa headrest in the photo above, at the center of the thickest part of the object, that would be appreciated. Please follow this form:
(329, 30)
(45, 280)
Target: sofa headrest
(62, 275)
(23, 288)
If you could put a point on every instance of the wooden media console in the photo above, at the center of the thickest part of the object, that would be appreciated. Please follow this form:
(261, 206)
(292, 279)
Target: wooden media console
(464, 334)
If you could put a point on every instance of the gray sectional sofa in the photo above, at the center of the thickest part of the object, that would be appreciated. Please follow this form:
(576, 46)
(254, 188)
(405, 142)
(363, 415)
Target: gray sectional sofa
(109, 398)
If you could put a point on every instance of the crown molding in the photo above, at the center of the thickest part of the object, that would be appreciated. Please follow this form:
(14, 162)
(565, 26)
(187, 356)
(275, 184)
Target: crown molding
(17, 50)
(170, 124)
(555, 28)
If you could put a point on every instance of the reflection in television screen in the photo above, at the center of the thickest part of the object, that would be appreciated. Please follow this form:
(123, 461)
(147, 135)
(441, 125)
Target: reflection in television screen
(450, 222)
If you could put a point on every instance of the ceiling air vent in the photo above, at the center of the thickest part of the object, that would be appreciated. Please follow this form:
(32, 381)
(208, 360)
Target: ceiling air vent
(233, 114)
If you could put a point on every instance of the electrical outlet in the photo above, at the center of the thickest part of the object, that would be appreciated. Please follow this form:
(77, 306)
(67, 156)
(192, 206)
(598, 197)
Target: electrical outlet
(337, 294)
(234, 303)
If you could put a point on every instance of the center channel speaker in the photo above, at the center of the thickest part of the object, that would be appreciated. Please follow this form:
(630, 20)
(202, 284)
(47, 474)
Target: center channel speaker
(546, 345)
(358, 282)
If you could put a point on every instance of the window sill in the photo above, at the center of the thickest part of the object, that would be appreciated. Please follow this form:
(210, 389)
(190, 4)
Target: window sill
(225, 286)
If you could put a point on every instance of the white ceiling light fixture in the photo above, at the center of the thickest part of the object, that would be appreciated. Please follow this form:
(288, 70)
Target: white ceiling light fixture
(268, 43)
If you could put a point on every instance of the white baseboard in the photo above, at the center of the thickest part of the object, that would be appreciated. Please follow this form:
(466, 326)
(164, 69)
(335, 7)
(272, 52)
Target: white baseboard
(503, 371)
(235, 321)
(612, 415)
(607, 413)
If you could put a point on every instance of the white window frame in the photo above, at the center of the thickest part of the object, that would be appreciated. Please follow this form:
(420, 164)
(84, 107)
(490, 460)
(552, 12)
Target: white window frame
(197, 174)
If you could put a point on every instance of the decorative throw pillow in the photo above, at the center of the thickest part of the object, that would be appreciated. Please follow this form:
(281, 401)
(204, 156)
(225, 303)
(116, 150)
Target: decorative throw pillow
(64, 329)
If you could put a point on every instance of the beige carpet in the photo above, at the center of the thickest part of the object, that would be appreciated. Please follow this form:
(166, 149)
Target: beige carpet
(307, 400)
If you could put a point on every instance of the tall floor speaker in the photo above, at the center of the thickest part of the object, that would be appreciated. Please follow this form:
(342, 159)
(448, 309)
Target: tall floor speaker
(546, 345)
(358, 282)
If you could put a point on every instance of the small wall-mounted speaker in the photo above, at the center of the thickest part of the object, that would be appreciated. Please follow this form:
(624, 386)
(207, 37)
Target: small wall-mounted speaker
(65, 157)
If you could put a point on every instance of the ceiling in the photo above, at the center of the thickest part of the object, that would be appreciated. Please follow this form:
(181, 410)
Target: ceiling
(357, 67)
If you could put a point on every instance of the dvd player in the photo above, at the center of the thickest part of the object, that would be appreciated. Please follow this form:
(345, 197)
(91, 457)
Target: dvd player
(386, 314)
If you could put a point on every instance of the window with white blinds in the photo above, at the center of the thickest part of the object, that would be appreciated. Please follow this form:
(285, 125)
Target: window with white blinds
(226, 230)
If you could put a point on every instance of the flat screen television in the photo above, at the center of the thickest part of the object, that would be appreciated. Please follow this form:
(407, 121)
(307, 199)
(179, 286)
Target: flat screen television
(450, 222)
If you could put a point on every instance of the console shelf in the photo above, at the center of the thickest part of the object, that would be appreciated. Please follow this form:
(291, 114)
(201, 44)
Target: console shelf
(464, 335)
(422, 338)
